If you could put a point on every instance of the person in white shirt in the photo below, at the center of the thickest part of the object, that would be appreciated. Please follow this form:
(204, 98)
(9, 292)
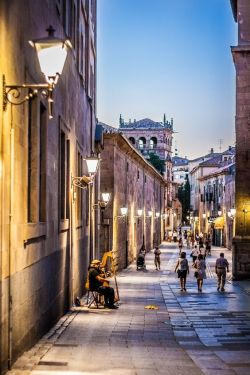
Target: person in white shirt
(221, 269)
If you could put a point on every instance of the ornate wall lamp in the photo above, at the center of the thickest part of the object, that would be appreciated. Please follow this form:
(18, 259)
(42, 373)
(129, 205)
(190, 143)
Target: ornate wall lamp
(157, 215)
(92, 167)
(139, 213)
(124, 211)
(52, 53)
(150, 214)
(104, 201)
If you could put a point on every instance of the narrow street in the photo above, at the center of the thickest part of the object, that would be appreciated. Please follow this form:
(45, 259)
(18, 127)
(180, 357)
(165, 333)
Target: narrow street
(190, 333)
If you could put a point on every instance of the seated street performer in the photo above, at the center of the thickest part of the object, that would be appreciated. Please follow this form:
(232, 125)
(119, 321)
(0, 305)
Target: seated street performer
(97, 281)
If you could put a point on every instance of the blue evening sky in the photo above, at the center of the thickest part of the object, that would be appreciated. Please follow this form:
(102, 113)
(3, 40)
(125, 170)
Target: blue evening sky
(173, 57)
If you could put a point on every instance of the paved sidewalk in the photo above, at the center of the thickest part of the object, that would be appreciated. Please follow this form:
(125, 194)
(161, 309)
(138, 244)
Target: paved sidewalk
(190, 333)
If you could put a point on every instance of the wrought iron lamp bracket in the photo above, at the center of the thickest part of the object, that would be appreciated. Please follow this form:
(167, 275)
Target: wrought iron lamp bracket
(81, 182)
(18, 94)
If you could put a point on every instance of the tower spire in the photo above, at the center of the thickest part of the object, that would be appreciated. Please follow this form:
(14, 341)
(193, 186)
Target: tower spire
(120, 120)
(164, 119)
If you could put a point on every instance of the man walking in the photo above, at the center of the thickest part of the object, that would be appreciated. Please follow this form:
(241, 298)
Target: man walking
(221, 268)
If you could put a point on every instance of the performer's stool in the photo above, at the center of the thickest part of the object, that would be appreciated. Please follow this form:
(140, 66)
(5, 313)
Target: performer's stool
(93, 298)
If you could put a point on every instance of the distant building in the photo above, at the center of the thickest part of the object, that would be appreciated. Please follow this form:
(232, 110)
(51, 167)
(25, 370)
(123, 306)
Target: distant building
(180, 169)
(212, 196)
(135, 184)
(149, 136)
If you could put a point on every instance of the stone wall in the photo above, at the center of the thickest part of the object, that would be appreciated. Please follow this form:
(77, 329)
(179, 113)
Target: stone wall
(134, 184)
(44, 251)
(241, 57)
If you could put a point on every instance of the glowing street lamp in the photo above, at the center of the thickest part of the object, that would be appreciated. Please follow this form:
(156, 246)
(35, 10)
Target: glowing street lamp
(52, 53)
(139, 213)
(124, 211)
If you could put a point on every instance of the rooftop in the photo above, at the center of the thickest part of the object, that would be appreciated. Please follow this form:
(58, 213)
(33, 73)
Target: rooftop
(177, 160)
(146, 123)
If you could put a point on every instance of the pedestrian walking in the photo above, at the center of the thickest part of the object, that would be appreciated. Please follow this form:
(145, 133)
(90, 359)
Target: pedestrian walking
(200, 273)
(157, 253)
(202, 251)
(221, 269)
(182, 270)
(208, 246)
(195, 252)
(175, 236)
(201, 243)
(180, 244)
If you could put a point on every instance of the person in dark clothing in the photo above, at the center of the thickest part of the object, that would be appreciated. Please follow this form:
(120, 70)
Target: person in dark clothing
(96, 283)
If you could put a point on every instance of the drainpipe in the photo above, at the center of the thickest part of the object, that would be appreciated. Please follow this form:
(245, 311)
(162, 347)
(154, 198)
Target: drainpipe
(10, 302)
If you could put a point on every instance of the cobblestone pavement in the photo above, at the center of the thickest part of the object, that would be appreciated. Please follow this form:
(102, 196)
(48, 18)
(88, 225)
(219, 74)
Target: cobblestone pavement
(190, 333)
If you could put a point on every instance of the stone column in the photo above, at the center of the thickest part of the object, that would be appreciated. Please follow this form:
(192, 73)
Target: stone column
(241, 241)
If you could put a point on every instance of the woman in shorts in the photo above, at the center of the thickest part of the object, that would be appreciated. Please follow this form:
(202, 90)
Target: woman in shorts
(182, 269)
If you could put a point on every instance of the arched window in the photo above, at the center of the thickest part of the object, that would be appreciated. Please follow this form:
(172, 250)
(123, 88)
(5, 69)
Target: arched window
(152, 142)
(132, 140)
(142, 142)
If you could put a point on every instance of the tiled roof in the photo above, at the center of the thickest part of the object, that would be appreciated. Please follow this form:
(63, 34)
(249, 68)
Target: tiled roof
(207, 156)
(108, 128)
(229, 151)
(212, 162)
(146, 123)
(177, 160)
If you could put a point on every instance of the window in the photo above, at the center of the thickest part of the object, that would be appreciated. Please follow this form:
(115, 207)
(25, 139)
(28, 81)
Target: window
(64, 176)
(132, 140)
(153, 142)
(142, 142)
(70, 20)
(36, 162)
(32, 162)
(42, 163)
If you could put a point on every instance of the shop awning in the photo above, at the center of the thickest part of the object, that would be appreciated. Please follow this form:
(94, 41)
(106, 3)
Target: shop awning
(219, 222)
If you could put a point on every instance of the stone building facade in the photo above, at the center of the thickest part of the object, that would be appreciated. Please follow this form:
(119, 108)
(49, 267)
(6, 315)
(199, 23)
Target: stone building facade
(241, 58)
(44, 220)
(149, 136)
(212, 194)
(136, 185)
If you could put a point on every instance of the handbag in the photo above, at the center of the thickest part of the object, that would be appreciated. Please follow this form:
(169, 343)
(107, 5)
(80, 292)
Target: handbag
(196, 274)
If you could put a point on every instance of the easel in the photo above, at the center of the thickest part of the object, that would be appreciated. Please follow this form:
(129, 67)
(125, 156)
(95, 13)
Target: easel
(109, 255)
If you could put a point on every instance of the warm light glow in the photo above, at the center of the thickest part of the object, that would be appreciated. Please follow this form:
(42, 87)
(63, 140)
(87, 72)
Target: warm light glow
(92, 164)
(188, 217)
(196, 218)
(51, 59)
(229, 214)
(157, 214)
(139, 212)
(106, 197)
(150, 213)
(52, 53)
(233, 211)
(219, 212)
(174, 213)
(124, 211)
(204, 216)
